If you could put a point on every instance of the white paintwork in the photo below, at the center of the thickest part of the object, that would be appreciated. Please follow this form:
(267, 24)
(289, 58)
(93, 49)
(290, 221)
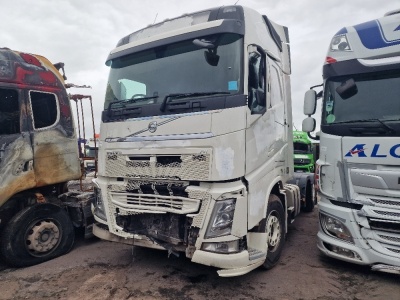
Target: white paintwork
(249, 154)
(363, 170)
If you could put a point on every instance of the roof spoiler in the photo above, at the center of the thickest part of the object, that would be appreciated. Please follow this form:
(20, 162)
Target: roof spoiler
(392, 12)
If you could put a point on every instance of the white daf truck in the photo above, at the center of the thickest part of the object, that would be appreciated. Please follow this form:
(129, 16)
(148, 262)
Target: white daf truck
(358, 171)
(196, 146)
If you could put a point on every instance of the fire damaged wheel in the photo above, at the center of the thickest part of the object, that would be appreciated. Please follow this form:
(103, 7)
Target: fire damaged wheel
(274, 226)
(37, 234)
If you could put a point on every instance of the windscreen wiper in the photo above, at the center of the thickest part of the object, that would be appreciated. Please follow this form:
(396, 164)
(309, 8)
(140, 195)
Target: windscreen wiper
(390, 129)
(187, 95)
(131, 100)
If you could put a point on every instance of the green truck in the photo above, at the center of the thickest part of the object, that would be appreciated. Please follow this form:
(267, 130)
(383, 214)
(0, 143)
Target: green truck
(303, 152)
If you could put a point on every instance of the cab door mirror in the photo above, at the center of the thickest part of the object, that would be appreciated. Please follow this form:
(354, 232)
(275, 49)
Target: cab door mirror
(310, 102)
(308, 124)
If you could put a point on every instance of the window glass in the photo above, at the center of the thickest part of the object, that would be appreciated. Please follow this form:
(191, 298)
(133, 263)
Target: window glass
(182, 67)
(9, 112)
(362, 97)
(256, 82)
(44, 109)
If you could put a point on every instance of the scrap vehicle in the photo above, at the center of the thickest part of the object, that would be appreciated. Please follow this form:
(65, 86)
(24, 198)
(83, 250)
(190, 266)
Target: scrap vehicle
(196, 143)
(358, 171)
(38, 157)
(303, 152)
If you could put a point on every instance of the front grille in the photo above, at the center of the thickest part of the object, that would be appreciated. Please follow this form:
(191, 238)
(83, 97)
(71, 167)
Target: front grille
(157, 188)
(394, 250)
(387, 213)
(175, 167)
(384, 225)
(390, 238)
(155, 203)
(386, 202)
(301, 161)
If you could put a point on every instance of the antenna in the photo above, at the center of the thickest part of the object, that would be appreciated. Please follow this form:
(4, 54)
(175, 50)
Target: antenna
(155, 18)
(236, 2)
(295, 127)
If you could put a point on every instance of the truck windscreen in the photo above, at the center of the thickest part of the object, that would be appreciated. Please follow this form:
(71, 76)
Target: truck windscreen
(152, 80)
(362, 104)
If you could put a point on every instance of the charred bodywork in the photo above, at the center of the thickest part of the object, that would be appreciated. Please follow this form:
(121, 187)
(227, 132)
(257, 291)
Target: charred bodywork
(38, 156)
(37, 139)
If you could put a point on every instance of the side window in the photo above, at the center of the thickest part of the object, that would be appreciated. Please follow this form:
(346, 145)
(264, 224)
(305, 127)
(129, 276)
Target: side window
(256, 80)
(44, 109)
(9, 112)
(276, 88)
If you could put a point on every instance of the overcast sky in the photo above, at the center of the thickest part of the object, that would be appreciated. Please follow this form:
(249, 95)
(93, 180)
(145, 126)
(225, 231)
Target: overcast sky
(82, 33)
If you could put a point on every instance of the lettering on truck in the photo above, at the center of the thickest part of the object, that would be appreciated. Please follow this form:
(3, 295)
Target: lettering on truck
(358, 170)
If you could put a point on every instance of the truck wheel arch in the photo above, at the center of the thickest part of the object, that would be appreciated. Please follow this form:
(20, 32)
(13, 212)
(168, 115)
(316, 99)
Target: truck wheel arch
(47, 223)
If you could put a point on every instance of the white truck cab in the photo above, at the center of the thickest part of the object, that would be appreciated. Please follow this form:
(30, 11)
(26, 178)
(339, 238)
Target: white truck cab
(196, 142)
(358, 170)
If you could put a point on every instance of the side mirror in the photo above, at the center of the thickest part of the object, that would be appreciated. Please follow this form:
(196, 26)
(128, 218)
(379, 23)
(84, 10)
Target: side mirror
(310, 103)
(308, 124)
(212, 58)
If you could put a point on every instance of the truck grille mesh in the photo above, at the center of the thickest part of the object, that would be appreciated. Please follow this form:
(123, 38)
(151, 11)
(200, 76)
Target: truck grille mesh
(387, 213)
(390, 238)
(154, 203)
(385, 202)
(182, 167)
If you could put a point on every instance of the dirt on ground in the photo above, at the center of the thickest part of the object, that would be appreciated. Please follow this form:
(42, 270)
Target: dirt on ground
(97, 269)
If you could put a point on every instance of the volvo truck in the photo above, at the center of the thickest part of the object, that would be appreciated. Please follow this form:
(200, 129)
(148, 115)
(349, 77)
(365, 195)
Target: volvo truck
(196, 148)
(38, 157)
(358, 171)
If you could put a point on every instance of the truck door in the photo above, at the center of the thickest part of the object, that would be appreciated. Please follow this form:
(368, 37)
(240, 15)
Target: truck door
(55, 146)
(16, 155)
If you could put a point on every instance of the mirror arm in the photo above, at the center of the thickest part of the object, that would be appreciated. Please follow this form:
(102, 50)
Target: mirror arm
(315, 138)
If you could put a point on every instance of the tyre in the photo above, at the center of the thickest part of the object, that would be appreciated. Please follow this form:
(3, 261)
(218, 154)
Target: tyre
(274, 226)
(309, 197)
(37, 234)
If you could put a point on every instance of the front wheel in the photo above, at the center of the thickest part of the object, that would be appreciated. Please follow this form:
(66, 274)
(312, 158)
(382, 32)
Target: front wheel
(37, 234)
(274, 226)
(309, 197)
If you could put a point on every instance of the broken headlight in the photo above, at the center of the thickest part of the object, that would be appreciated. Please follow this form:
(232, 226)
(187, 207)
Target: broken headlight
(221, 218)
(98, 205)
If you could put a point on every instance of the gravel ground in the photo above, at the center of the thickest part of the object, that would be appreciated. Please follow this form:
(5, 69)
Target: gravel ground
(97, 269)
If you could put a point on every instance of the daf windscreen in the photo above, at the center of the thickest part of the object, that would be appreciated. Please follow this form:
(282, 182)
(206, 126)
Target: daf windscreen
(193, 75)
(362, 105)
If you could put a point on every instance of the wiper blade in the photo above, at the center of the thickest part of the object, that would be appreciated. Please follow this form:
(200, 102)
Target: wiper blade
(131, 100)
(390, 129)
(187, 95)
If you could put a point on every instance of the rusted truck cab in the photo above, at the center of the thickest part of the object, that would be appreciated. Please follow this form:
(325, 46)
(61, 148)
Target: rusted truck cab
(38, 155)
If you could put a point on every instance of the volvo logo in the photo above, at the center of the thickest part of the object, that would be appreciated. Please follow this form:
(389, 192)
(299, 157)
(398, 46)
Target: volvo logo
(152, 126)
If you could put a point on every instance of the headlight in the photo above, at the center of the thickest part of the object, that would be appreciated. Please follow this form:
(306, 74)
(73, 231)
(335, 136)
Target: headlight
(335, 227)
(340, 43)
(98, 205)
(221, 218)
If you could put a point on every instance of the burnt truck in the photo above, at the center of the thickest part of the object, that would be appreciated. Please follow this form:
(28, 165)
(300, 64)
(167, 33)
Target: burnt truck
(38, 157)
